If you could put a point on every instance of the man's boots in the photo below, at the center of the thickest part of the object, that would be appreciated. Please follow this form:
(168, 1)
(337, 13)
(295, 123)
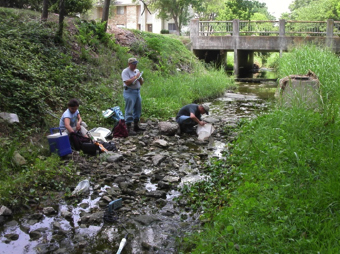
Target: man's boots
(130, 130)
(136, 126)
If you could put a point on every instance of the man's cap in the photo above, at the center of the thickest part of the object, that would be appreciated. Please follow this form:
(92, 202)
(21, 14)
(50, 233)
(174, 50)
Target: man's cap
(206, 108)
(132, 61)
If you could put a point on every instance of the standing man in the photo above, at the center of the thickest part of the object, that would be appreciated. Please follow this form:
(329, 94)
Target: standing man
(133, 101)
(190, 115)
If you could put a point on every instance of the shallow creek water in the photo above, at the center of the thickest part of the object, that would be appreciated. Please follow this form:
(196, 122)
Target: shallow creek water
(153, 226)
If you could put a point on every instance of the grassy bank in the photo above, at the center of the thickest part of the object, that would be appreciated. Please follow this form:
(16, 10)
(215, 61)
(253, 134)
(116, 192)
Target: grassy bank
(38, 76)
(279, 185)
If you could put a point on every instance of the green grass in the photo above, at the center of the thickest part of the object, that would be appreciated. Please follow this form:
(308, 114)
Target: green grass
(278, 189)
(181, 89)
(41, 173)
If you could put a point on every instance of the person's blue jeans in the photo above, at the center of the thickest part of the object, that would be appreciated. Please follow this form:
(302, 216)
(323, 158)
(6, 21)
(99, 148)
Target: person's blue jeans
(181, 119)
(186, 124)
(133, 105)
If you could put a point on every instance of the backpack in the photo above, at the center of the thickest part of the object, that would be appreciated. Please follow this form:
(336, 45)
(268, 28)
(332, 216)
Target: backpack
(118, 114)
(79, 142)
(115, 113)
(120, 130)
(77, 139)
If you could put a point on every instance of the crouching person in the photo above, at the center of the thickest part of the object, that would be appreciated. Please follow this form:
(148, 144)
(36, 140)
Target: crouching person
(190, 115)
(71, 120)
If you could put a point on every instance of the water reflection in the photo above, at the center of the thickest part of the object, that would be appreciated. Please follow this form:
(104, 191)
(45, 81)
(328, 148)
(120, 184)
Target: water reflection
(246, 101)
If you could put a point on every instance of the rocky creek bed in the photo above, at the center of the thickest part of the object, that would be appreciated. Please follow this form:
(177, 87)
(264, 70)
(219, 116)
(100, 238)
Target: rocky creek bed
(147, 173)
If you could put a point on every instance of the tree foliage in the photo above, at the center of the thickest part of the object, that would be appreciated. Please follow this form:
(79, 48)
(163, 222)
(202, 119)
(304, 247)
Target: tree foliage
(315, 10)
(72, 6)
(178, 10)
(243, 9)
(209, 9)
(297, 4)
(34, 5)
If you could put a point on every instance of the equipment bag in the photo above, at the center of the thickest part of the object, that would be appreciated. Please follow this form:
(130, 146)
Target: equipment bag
(120, 130)
(90, 148)
(110, 146)
(77, 139)
(115, 113)
(79, 142)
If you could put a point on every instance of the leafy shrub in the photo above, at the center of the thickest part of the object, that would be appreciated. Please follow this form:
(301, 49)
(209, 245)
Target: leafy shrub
(93, 33)
(164, 31)
(72, 6)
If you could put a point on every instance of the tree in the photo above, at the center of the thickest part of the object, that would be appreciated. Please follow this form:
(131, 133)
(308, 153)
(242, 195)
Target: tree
(209, 9)
(297, 4)
(72, 7)
(68, 7)
(106, 9)
(241, 9)
(34, 5)
(61, 20)
(318, 10)
(178, 10)
(44, 14)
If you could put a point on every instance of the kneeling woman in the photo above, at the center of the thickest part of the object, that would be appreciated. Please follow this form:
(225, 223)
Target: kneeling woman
(71, 120)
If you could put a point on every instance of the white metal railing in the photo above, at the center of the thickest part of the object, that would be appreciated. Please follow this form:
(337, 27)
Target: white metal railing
(260, 28)
(217, 28)
(336, 29)
(306, 28)
(267, 28)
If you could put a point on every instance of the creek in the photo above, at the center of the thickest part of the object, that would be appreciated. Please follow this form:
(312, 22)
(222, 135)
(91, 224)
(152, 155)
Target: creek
(147, 174)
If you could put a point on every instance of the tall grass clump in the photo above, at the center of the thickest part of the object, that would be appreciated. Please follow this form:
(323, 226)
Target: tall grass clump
(283, 189)
(164, 96)
(325, 65)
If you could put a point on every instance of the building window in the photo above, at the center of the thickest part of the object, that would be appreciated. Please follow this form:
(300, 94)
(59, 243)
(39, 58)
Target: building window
(120, 10)
(149, 27)
(139, 27)
(171, 27)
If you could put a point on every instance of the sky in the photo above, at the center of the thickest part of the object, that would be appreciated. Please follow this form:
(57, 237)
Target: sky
(276, 7)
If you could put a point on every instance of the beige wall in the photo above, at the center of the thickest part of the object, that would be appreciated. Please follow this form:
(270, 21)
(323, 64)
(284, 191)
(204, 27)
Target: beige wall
(132, 18)
(118, 19)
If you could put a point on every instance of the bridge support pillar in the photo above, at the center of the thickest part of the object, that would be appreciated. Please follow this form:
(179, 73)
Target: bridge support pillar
(243, 63)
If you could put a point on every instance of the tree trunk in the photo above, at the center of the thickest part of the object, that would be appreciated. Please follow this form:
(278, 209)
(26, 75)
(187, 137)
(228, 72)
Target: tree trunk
(106, 9)
(175, 18)
(61, 20)
(44, 14)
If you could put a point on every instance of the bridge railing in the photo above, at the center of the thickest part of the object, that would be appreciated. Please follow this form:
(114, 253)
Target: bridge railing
(269, 28)
(306, 28)
(217, 28)
(260, 28)
(336, 30)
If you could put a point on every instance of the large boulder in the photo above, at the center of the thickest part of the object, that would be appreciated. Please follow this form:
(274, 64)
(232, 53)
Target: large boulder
(168, 128)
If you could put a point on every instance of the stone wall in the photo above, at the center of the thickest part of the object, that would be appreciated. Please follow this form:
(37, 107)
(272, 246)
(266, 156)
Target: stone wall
(119, 19)
(131, 17)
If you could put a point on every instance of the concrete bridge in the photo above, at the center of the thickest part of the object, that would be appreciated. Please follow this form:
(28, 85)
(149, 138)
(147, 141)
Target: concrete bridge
(211, 40)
